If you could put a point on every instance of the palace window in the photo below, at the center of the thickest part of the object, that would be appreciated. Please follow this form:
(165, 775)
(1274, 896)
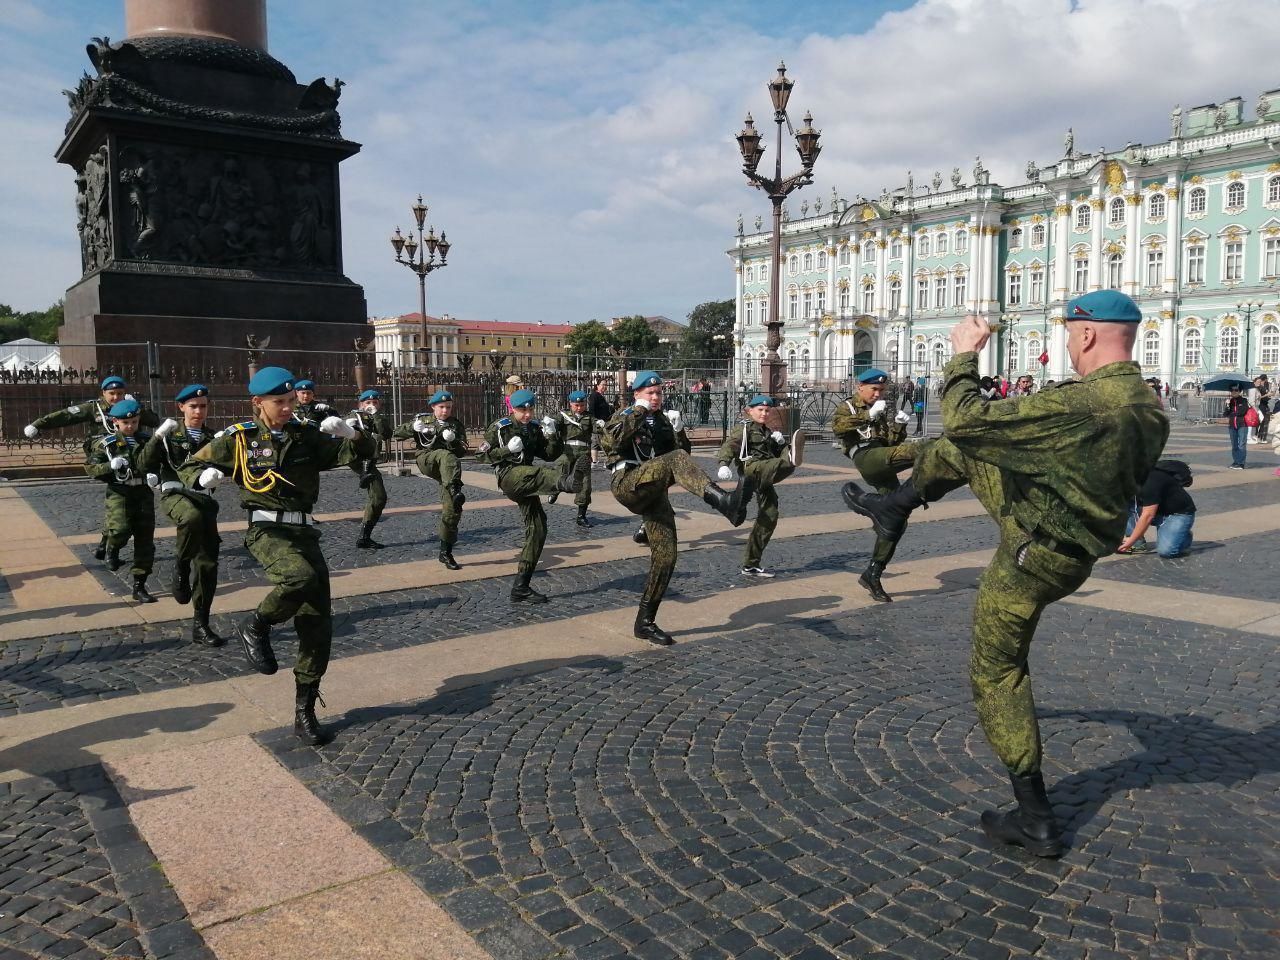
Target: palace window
(1155, 268)
(1273, 190)
(1233, 260)
(1037, 235)
(869, 251)
(1084, 216)
(1115, 270)
(1015, 238)
(1080, 274)
(808, 262)
(822, 260)
(1037, 285)
(749, 275)
(793, 265)
(793, 305)
(1151, 349)
(922, 245)
(1228, 346)
(1269, 345)
(1115, 212)
(1195, 263)
(895, 295)
(962, 241)
(1271, 257)
(922, 293)
(895, 248)
(822, 301)
(1197, 200)
(1155, 207)
(764, 272)
(1192, 348)
(844, 302)
(939, 355)
(764, 311)
(868, 298)
(961, 288)
(1014, 297)
(939, 292)
(1235, 194)
(941, 245)
(920, 357)
(844, 256)
(748, 312)
(807, 297)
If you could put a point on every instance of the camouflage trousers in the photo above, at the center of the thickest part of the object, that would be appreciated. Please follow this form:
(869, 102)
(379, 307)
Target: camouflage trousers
(131, 512)
(1022, 579)
(525, 486)
(291, 558)
(880, 467)
(197, 542)
(582, 498)
(643, 491)
(765, 472)
(376, 493)
(444, 468)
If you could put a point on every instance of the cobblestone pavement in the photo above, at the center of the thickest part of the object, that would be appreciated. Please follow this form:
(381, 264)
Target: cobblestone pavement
(76, 880)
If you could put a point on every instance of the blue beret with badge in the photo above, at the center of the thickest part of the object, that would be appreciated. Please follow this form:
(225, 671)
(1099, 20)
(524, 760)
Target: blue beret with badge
(873, 375)
(191, 391)
(440, 396)
(272, 382)
(124, 409)
(523, 398)
(578, 396)
(760, 400)
(646, 378)
(371, 394)
(113, 383)
(1105, 306)
(303, 384)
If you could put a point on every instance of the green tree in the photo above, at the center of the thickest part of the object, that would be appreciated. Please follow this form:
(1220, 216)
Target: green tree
(638, 339)
(707, 321)
(589, 340)
(38, 324)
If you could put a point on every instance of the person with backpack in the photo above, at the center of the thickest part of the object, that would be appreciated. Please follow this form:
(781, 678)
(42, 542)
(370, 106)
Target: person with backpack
(1163, 503)
(1236, 413)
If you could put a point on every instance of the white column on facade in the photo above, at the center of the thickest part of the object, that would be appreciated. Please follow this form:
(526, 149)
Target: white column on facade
(1098, 205)
(1173, 236)
(833, 298)
(1061, 279)
(1059, 362)
(1133, 254)
(882, 261)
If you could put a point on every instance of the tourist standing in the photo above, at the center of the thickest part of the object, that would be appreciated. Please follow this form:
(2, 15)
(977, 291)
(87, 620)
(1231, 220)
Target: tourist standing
(1235, 410)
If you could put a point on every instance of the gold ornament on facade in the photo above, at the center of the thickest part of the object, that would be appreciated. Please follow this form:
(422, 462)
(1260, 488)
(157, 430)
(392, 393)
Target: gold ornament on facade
(1134, 199)
(1114, 174)
(1229, 321)
(1062, 210)
(1172, 193)
(919, 338)
(1038, 218)
(868, 212)
(1014, 268)
(831, 251)
(1272, 231)
(828, 322)
(1097, 203)
(1274, 168)
(1015, 222)
(842, 283)
(1151, 325)
(1234, 232)
(1113, 247)
(1166, 314)
(1196, 179)
(1154, 186)
(868, 280)
(1235, 175)
(881, 242)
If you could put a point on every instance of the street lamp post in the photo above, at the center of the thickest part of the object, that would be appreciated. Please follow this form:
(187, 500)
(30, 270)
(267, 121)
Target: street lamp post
(1009, 321)
(1248, 308)
(773, 369)
(426, 248)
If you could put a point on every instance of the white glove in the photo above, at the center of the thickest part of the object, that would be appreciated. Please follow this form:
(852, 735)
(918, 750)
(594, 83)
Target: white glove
(118, 463)
(642, 403)
(423, 427)
(320, 406)
(130, 396)
(877, 409)
(676, 421)
(447, 435)
(352, 422)
(778, 437)
(209, 478)
(167, 427)
(337, 427)
(515, 445)
(31, 431)
(369, 408)
(153, 480)
(724, 473)
(902, 417)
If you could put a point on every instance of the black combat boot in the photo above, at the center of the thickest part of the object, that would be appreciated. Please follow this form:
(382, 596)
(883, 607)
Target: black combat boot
(521, 592)
(572, 475)
(180, 587)
(140, 591)
(646, 629)
(113, 559)
(582, 520)
(871, 580)
(446, 557)
(455, 491)
(888, 512)
(100, 551)
(366, 541)
(202, 633)
(255, 639)
(732, 505)
(305, 725)
(1032, 824)
(641, 536)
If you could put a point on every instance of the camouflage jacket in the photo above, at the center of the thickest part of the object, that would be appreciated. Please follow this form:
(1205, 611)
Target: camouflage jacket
(375, 426)
(283, 475)
(313, 412)
(635, 434)
(1073, 456)
(749, 441)
(575, 431)
(537, 445)
(855, 429)
(103, 450)
(164, 455)
(88, 412)
(431, 439)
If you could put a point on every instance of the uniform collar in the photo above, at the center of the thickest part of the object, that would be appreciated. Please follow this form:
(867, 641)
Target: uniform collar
(1121, 368)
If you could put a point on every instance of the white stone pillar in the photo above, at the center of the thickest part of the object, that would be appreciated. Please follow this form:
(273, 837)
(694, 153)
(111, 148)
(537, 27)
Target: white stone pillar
(1061, 279)
(1134, 256)
(1098, 205)
(1173, 238)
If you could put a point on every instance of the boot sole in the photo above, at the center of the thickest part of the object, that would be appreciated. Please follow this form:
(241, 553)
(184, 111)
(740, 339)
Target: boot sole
(797, 448)
(267, 668)
(882, 598)
(857, 508)
(1048, 849)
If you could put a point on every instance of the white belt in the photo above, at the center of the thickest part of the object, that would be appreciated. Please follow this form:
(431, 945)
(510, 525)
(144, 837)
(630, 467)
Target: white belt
(131, 482)
(576, 443)
(295, 517)
(169, 486)
(623, 464)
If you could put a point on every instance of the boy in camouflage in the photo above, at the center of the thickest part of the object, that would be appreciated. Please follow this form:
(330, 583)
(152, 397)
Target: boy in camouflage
(767, 458)
(511, 444)
(441, 441)
(576, 429)
(1056, 470)
(374, 425)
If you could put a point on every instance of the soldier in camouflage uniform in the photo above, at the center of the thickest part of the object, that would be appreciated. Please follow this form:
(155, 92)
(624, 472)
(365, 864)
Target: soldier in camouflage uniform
(114, 389)
(193, 512)
(768, 458)
(648, 451)
(576, 429)
(276, 461)
(307, 409)
(116, 460)
(377, 427)
(511, 445)
(441, 440)
(875, 442)
(1057, 471)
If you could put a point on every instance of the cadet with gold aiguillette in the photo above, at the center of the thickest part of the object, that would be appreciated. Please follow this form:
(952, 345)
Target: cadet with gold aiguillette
(648, 452)
(1057, 471)
(441, 441)
(276, 461)
(511, 444)
(875, 442)
(768, 457)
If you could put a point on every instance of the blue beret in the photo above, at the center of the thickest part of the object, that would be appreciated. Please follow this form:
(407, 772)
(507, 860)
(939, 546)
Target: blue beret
(271, 382)
(112, 383)
(300, 384)
(1110, 306)
(873, 375)
(440, 396)
(371, 394)
(125, 409)
(578, 396)
(191, 391)
(646, 378)
(760, 400)
(523, 398)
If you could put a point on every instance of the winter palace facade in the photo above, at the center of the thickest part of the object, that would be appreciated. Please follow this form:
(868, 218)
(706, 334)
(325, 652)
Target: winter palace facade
(1190, 228)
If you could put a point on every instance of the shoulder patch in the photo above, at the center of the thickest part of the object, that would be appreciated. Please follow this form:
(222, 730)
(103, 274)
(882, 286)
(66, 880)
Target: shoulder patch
(504, 422)
(104, 441)
(629, 410)
(74, 409)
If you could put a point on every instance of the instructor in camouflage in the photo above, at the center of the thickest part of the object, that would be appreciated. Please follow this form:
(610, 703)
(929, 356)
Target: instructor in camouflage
(1057, 471)
(648, 452)
(441, 440)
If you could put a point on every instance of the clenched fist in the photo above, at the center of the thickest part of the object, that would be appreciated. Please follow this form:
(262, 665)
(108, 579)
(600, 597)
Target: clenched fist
(118, 463)
(167, 427)
(515, 445)
(447, 435)
(724, 473)
(877, 409)
(675, 419)
(337, 427)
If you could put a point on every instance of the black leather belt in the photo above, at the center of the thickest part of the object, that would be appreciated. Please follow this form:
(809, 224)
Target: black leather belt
(1063, 548)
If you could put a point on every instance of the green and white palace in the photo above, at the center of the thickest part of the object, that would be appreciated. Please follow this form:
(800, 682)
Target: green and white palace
(1190, 228)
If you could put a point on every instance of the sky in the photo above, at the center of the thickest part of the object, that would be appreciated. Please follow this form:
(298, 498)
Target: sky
(580, 155)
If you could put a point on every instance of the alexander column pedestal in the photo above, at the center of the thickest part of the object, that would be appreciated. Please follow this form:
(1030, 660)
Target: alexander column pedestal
(207, 192)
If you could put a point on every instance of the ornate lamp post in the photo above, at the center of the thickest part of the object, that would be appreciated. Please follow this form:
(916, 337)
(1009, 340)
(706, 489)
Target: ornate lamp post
(426, 248)
(773, 369)
(1248, 308)
(1009, 321)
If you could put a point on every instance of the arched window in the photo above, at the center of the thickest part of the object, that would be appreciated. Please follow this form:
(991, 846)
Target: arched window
(922, 293)
(764, 311)
(1155, 206)
(791, 359)
(793, 264)
(793, 305)
(939, 355)
(804, 362)
(941, 245)
(844, 301)
(1197, 200)
(844, 256)
(1155, 267)
(822, 259)
(1192, 348)
(1080, 272)
(960, 289)
(1273, 190)
(1228, 346)
(1269, 344)
(922, 247)
(1115, 212)
(1084, 216)
(895, 295)
(895, 248)
(868, 298)
(1015, 238)
(868, 251)
(920, 357)
(1235, 194)
(1115, 270)
(962, 241)
(1037, 235)
(806, 297)
(808, 262)
(821, 303)
(748, 312)
(1151, 348)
